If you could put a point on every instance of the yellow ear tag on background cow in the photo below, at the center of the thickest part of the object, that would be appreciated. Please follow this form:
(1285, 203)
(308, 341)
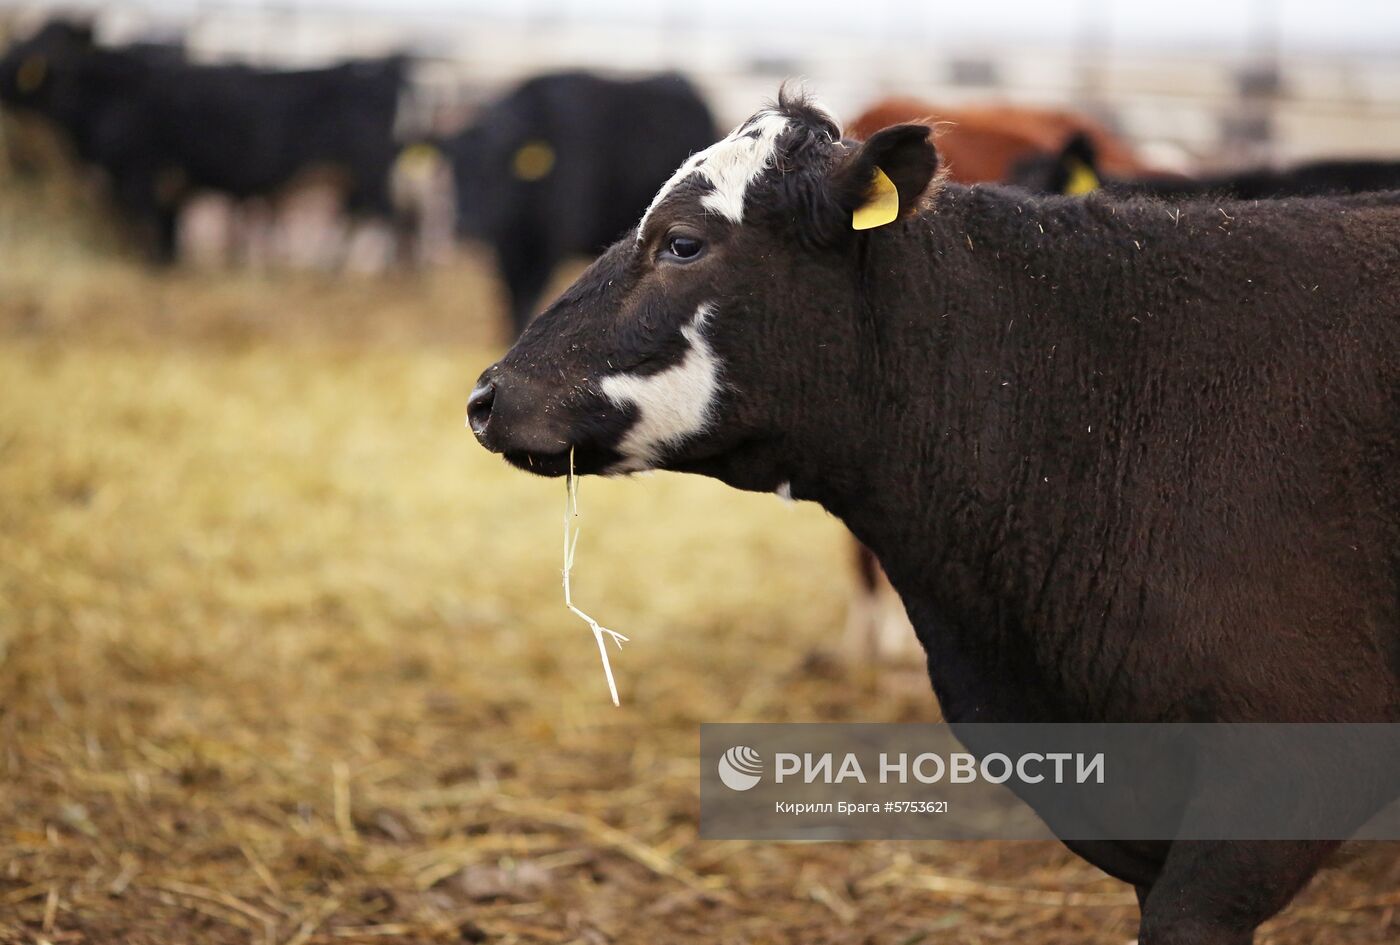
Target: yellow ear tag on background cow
(533, 161)
(881, 204)
(418, 161)
(420, 154)
(31, 74)
(1082, 179)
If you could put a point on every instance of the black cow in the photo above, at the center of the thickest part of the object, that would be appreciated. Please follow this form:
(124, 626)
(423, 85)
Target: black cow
(1120, 464)
(162, 128)
(564, 164)
(1075, 169)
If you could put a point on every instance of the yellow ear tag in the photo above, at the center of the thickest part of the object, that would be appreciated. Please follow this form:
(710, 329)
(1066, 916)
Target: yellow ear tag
(1082, 179)
(418, 161)
(533, 161)
(881, 204)
(420, 154)
(31, 74)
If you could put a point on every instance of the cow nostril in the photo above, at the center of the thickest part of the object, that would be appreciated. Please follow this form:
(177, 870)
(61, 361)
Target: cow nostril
(479, 407)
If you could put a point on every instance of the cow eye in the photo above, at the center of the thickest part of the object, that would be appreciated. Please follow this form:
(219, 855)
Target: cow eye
(683, 248)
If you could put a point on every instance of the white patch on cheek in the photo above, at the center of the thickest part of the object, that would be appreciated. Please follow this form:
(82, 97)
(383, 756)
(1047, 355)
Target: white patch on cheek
(672, 404)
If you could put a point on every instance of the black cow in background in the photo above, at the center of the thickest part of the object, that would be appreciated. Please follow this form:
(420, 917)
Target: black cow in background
(1075, 169)
(162, 129)
(565, 164)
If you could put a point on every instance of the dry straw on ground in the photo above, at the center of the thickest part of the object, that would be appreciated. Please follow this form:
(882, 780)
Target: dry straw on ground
(282, 658)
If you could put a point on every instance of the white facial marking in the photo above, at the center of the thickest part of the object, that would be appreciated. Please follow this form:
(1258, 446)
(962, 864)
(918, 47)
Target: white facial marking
(682, 172)
(784, 491)
(730, 165)
(671, 404)
(731, 169)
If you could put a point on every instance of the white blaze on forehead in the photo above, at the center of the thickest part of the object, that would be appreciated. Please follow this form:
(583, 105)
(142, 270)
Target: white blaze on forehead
(732, 168)
(730, 165)
(670, 405)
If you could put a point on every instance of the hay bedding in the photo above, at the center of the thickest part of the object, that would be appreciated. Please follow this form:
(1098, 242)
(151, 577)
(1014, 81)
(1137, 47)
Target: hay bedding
(281, 661)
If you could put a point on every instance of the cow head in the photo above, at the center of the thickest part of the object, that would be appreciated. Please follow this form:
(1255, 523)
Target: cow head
(497, 162)
(29, 67)
(1073, 170)
(726, 326)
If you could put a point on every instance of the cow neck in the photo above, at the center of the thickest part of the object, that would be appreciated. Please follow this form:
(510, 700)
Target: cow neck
(927, 434)
(953, 438)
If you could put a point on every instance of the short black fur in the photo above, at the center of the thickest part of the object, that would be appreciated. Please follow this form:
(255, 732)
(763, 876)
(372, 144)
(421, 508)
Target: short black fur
(1121, 464)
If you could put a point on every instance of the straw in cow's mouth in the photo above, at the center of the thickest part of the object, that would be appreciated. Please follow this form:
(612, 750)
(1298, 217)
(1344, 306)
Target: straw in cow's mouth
(570, 545)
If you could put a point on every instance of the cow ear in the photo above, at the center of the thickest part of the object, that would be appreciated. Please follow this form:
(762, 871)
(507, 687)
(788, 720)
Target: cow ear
(1079, 161)
(885, 177)
(80, 33)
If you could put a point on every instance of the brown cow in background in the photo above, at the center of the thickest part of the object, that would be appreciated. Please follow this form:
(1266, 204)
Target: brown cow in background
(977, 144)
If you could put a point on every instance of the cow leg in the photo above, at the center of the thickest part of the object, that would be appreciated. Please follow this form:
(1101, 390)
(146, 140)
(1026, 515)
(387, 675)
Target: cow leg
(371, 246)
(1136, 863)
(375, 209)
(863, 614)
(257, 224)
(156, 223)
(1218, 892)
(408, 238)
(526, 273)
(167, 219)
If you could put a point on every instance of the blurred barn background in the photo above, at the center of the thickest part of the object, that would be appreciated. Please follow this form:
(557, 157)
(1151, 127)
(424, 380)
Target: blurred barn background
(1233, 80)
(283, 653)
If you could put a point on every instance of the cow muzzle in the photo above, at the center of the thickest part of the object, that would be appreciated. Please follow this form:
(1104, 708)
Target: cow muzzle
(513, 416)
(508, 415)
(479, 405)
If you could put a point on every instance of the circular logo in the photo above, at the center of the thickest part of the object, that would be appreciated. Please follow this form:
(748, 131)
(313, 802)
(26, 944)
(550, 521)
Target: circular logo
(740, 768)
